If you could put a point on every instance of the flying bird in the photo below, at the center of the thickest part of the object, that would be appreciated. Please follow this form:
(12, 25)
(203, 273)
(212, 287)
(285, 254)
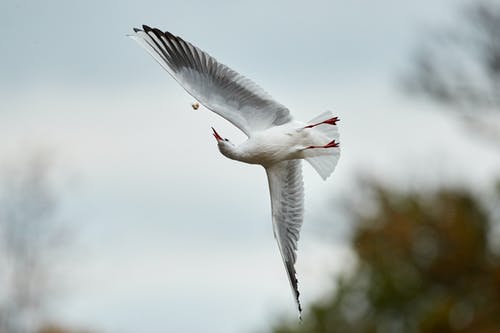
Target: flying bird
(275, 140)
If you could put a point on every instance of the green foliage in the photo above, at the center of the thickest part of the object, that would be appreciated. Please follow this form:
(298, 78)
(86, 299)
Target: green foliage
(424, 266)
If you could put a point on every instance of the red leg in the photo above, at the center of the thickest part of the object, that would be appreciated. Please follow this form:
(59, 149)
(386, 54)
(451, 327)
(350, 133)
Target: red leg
(331, 121)
(331, 144)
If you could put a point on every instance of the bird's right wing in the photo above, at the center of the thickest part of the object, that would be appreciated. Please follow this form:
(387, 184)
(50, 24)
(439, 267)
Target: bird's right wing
(219, 88)
(287, 204)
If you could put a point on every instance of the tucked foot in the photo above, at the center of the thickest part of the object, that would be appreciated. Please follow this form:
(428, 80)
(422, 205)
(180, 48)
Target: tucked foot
(331, 121)
(331, 144)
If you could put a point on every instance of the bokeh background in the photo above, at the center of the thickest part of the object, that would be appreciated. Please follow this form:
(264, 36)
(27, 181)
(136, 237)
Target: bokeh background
(118, 213)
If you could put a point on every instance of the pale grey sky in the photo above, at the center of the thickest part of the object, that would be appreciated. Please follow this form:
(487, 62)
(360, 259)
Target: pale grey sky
(83, 41)
(156, 205)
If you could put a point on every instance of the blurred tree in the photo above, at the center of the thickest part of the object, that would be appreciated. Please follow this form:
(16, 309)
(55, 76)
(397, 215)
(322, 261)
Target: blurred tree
(424, 266)
(459, 67)
(58, 329)
(30, 236)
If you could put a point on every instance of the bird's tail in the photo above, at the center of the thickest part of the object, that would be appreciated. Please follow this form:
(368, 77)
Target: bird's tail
(324, 159)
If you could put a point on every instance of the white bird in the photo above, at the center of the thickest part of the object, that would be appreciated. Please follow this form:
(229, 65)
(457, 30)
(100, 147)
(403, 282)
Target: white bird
(275, 140)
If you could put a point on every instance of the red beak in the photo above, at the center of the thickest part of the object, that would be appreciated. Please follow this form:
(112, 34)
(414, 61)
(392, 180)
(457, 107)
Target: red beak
(216, 135)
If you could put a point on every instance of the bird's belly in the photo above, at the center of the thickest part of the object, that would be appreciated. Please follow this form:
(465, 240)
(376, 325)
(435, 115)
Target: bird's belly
(269, 153)
(265, 158)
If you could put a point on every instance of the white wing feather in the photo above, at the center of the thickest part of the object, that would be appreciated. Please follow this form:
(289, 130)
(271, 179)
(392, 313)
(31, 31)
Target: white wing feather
(287, 204)
(216, 86)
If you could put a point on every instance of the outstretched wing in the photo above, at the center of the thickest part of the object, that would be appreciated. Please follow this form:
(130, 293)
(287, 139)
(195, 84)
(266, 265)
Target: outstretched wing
(219, 88)
(287, 204)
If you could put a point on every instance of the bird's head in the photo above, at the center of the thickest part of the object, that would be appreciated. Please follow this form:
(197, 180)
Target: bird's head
(226, 147)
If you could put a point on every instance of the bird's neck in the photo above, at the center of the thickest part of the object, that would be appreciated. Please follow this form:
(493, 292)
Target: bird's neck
(231, 151)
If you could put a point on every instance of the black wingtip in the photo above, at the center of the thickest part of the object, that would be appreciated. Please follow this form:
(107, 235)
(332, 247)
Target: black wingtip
(158, 32)
(169, 35)
(295, 286)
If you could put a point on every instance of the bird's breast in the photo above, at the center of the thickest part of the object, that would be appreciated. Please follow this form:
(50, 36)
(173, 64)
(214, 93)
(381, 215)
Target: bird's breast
(269, 149)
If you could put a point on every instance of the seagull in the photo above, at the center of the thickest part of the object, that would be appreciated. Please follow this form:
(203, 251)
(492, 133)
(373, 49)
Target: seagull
(275, 140)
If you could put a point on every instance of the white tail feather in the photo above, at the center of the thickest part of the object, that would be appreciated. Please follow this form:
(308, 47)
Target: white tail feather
(331, 132)
(324, 160)
(324, 164)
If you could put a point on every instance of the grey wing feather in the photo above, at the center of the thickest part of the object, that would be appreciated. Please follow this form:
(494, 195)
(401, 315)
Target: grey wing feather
(219, 88)
(287, 203)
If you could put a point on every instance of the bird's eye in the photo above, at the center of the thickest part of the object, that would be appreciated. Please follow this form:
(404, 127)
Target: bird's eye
(226, 139)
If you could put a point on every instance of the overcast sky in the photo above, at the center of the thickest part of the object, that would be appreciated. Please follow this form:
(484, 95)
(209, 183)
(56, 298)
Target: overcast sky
(173, 237)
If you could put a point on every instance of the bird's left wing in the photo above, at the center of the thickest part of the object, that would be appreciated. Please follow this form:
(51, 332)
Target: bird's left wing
(218, 87)
(287, 204)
